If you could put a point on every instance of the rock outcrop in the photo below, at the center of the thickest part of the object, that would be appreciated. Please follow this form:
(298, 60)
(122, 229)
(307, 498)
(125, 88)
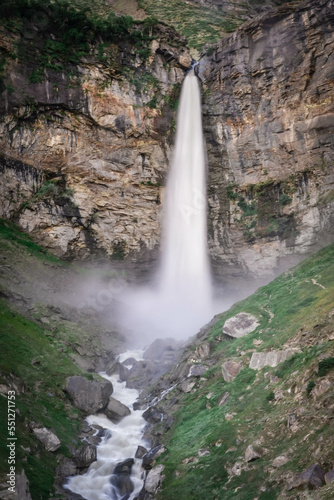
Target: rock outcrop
(268, 122)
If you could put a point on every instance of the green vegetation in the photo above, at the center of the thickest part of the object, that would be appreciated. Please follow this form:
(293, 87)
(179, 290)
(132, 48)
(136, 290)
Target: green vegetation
(200, 25)
(325, 366)
(29, 356)
(52, 189)
(292, 311)
(11, 233)
(119, 250)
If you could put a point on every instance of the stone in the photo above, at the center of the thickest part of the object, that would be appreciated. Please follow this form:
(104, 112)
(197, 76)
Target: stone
(150, 457)
(89, 396)
(157, 349)
(202, 351)
(116, 410)
(329, 476)
(85, 455)
(240, 325)
(253, 452)
(230, 370)
(272, 358)
(121, 479)
(152, 415)
(223, 399)
(154, 479)
(187, 385)
(280, 460)
(313, 477)
(197, 370)
(141, 451)
(50, 441)
(203, 452)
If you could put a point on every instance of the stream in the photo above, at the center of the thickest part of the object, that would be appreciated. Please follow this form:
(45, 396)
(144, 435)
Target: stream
(118, 445)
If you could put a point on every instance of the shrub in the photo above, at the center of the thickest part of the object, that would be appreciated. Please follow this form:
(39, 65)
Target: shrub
(325, 366)
(309, 387)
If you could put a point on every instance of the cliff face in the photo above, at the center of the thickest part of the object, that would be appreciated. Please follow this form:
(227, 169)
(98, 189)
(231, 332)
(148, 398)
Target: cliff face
(86, 137)
(85, 145)
(269, 118)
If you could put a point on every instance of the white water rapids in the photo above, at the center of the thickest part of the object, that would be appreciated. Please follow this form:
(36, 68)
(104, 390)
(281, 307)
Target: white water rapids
(125, 438)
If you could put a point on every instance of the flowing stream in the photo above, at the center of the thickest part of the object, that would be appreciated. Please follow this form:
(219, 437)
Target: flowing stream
(118, 445)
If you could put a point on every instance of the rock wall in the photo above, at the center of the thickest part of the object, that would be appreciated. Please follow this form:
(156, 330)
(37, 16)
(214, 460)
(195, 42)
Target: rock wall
(84, 150)
(269, 120)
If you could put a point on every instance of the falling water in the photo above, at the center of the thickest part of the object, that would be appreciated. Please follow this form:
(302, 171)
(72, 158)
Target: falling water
(181, 302)
(185, 265)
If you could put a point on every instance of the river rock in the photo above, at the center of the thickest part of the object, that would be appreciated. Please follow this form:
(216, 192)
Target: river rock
(154, 479)
(116, 410)
(121, 478)
(240, 325)
(152, 455)
(50, 441)
(313, 477)
(141, 451)
(271, 358)
(152, 415)
(230, 370)
(85, 455)
(89, 396)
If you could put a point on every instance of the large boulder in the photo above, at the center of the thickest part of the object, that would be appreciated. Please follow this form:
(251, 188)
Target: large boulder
(121, 478)
(89, 396)
(85, 455)
(313, 477)
(154, 479)
(50, 441)
(230, 370)
(152, 415)
(159, 349)
(116, 410)
(240, 325)
(272, 358)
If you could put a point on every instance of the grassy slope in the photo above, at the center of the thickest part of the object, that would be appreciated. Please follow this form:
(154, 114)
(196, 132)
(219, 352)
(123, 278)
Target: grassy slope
(303, 317)
(29, 354)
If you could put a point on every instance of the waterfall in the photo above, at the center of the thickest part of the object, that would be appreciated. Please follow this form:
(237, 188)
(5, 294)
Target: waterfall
(181, 300)
(185, 265)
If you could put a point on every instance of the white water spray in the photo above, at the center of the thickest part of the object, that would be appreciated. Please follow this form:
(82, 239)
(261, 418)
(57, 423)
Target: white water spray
(182, 302)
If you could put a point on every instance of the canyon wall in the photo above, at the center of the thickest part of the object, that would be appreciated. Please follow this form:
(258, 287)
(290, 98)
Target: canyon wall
(84, 146)
(269, 120)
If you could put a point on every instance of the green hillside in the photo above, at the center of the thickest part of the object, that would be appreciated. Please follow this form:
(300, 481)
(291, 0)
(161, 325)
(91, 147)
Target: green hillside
(287, 411)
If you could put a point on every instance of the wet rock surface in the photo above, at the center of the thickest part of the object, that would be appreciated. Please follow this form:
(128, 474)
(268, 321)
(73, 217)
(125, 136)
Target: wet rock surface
(89, 396)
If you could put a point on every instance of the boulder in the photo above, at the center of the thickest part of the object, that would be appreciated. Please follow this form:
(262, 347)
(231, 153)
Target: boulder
(50, 441)
(230, 370)
(313, 477)
(85, 455)
(187, 385)
(89, 396)
(329, 477)
(116, 410)
(152, 415)
(253, 452)
(203, 350)
(22, 486)
(240, 325)
(154, 479)
(197, 370)
(121, 480)
(150, 457)
(272, 358)
(141, 451)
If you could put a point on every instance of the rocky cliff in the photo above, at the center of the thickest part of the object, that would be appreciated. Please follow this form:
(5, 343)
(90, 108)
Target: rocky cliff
(87, 126)
(85, 133)
(268, 118)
